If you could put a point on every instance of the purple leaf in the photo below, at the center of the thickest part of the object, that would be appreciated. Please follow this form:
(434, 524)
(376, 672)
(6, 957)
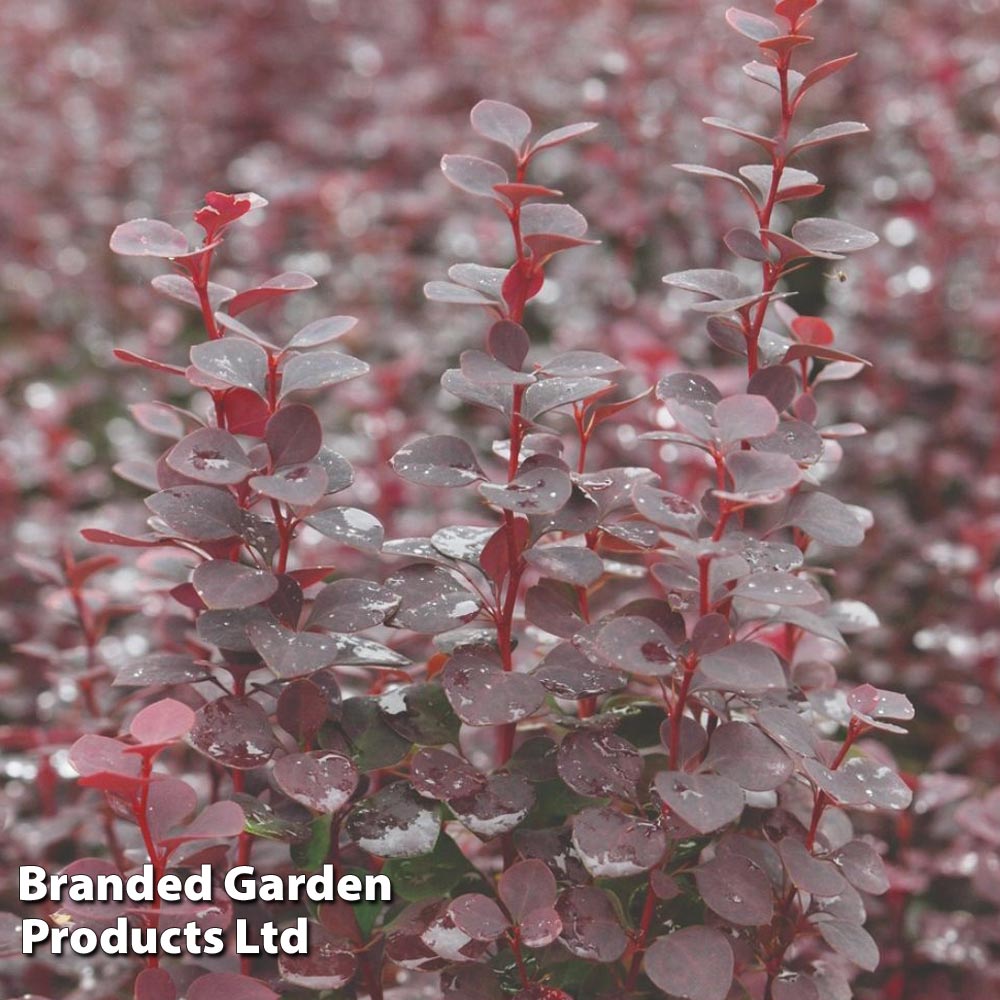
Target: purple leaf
(700, 170)
(321, 331)
(92, 755)
(754, 27)
(224, 584)
(851, 941)
(162, 722)
(349, 526)
(462, 542)
(576, 364)
(561, 135)
(861, 781)
(794, 986)
(154, 984)
(232, 361)
(551, 393)
(832, 236)
(508, 343)
(487, 280)
(321, 781)
(478, 916)
(273, 288)
(743, 753)
(873, 706)
(148, 238)
(776, 384)
(761, 140)
(638, 646)
(501, 122)
(862, 867)
(568, 563)
(298, 485)
(736, 889)
(554, 608)
(705, 802)
(291, 654)
(352, 605)
(160, 668)
(808, 873)
(210, 455)
(483, 369)
(483, 694)
(599, 764)
(746, 244)
(554, 219)
(228, 985)
(329, 964)
(795, 438)
(695, 963)
(394, 823)
(474, 175)
(590, 926)
(777, 588)
(709, 281)
(759, 175)
(827, 133)
(180, 288)
(789, 729)
(527, 886)
(757, 473)
(567, 673)
(825, 518)
(217, 821)
(443, 460)
(744, 667)
(234, 732)
(536, 491)
(693, 738)
(438, 774)
(432, 600)
(459, 295)
(318, 371)
(613, 844)
(293, 435)
(668, 510)
(170, 803)
(741, 418)
(540, 928)
(499, 807)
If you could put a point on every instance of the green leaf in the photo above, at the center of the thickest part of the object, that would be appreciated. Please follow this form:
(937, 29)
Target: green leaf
(422, 714)
(374, 744)
(312, 853)
(431, 875)
(262, 822)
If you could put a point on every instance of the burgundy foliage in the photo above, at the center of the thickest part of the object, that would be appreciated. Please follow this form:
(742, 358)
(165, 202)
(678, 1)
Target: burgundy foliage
(578, 604)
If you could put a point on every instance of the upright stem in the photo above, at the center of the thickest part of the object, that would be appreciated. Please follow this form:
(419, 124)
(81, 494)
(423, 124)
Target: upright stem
(771, 273)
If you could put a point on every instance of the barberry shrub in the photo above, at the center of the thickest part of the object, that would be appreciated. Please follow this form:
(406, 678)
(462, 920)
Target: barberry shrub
(625, 767)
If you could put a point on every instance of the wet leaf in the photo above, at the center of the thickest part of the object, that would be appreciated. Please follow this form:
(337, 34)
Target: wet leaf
(483, 694)
(590, 927)
(224, 584)
(394, 823)
(432, 600)
(599, 764)
(705, 802)
(234, 732)
(743, 753)
(321, 781)
(613, 844)
(736, 889)
(443, 460)
(694, 963)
